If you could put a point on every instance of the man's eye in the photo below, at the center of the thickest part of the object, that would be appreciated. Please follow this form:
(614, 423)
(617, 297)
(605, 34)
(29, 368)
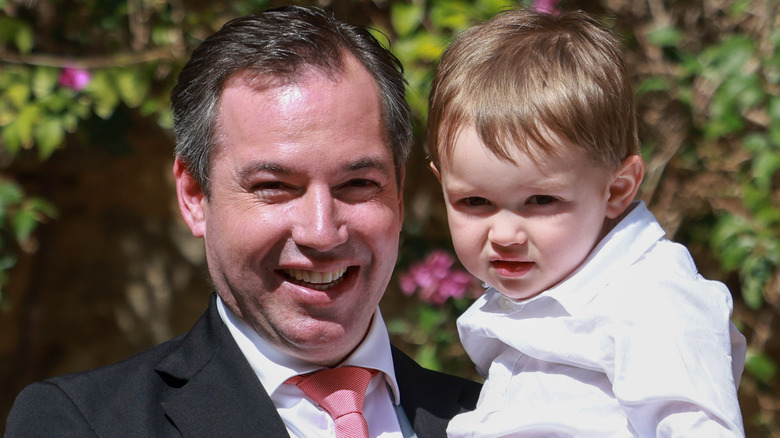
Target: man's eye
(361, 182)
(541, 200)
(272, 192)
(358, 190)
(268, 185)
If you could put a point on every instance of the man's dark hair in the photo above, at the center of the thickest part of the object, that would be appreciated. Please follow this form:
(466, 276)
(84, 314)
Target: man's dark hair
(281, 43)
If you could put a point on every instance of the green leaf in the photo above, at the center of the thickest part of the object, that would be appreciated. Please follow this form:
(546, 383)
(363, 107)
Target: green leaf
(491, 7)
(42, 207)
(16, 31)
(10, 194)
(44, 80)
(165, 118)
(760, 366)
(774, 110)
(24, 39)
(132, 86)
(738, 8)
(49, 135)
(19, 133)
(665, 36)
(18, 94)
(453, 15)
(397, 326)
(427, 357)
(653, 84)
(104, 93)
(755, 143)
(406, 17)
(764, 168)
(729, 57)
(422, 47)
(23, 223)
(7, 261)
(755, 274)
(731, 238)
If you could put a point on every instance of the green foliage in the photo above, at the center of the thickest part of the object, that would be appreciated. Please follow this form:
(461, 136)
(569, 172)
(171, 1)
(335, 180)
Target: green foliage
(760, 366)
(20, 215)
(431, 331)
(422, 30)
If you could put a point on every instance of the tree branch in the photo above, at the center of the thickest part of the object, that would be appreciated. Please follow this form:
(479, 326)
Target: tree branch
(90, 62)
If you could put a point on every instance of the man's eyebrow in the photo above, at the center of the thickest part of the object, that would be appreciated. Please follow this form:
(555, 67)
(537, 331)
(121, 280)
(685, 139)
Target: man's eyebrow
(368, 163)
(281, 169)
(263, 166)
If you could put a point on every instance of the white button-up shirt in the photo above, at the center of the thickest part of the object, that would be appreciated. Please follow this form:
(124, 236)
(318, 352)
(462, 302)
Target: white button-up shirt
(303, 418)
(634, 343)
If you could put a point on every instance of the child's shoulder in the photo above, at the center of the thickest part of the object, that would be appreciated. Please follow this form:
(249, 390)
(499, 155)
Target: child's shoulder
(666, 279)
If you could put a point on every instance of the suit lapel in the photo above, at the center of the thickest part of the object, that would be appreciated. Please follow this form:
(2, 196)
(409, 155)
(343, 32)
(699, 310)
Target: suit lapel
(214, 391)
(431, 399)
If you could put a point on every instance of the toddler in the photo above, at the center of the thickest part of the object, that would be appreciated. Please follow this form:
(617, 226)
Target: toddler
(594, 324)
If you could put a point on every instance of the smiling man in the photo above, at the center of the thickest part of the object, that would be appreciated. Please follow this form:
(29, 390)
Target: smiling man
(292, 132)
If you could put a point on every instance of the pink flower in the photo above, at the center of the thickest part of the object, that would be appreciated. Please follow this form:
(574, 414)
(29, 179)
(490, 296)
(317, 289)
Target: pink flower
(75, 78)
(549, 6)
(436, 279)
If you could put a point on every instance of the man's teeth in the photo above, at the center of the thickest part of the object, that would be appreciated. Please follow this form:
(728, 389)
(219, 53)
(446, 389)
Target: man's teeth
(315, 277)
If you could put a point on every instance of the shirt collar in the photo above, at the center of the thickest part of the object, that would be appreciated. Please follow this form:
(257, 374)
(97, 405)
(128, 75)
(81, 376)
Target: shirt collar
(273, 367)
(620, 248)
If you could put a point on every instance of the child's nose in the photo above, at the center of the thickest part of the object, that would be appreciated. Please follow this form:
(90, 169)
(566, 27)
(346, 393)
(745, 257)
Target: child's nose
(507, 229)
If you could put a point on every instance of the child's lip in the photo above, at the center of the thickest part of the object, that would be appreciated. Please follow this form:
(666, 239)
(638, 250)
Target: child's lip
(512, 268)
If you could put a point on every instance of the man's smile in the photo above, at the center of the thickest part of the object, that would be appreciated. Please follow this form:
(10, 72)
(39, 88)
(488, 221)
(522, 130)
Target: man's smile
(316, 280)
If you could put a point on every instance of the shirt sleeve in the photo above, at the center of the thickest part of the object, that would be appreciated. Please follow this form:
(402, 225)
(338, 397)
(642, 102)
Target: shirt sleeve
(677, 355)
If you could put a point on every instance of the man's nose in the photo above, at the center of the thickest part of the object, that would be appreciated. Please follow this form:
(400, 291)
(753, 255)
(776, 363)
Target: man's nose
(319, 224)
(507, 228)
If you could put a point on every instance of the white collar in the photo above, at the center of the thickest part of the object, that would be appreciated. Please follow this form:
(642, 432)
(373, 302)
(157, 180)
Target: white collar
(273, 367)
(620, 248)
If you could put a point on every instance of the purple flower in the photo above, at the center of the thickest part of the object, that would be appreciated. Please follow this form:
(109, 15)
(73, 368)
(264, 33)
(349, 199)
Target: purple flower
(437, 280)
(549, 6)
(75, 78)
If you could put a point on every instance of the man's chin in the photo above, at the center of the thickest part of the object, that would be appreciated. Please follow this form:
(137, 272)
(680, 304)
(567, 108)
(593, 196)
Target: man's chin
(321, 342)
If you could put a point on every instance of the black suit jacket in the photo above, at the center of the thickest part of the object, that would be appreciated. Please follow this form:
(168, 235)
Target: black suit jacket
(200, 385)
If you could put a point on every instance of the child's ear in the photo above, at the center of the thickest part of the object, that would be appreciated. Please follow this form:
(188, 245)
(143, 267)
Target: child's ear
(624, 186)
(435, 170)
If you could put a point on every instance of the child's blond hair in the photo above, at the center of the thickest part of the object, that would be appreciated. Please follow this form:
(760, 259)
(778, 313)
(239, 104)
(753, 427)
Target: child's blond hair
(525, 73)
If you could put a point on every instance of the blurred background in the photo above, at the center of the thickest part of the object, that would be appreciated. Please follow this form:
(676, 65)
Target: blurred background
(96, 264)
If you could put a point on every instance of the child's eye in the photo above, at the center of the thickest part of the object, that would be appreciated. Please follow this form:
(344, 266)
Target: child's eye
(541, 200)
(475, 201)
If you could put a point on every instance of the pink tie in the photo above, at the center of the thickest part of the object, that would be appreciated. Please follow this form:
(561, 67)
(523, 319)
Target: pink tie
(340, 391)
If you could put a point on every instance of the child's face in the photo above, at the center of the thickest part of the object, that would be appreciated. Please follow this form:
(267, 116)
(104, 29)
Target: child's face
(523, 228)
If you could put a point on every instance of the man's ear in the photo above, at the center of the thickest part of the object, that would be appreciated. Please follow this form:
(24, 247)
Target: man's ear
(435, 170)
(401, 177)
(191, 199)
(624, 186)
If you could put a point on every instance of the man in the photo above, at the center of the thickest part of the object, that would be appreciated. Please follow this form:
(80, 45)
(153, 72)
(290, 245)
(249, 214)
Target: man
(292, 133)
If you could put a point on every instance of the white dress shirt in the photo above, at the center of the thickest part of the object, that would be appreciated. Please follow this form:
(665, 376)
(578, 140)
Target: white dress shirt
(634, 343)
(303, 418)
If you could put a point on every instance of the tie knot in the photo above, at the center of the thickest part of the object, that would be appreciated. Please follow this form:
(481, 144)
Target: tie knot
(340, 391)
